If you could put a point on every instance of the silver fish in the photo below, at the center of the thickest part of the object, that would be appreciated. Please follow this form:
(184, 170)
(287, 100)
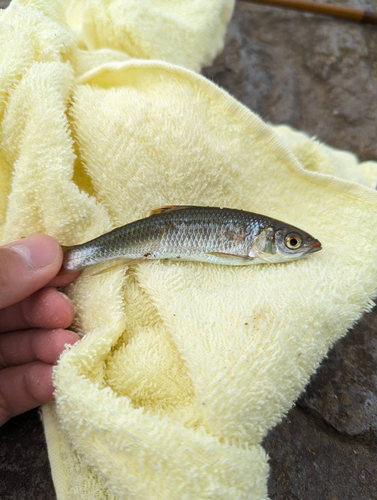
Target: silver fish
(206, 234)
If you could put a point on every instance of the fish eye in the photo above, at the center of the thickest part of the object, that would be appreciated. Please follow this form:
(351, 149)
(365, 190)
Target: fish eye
(293, 241)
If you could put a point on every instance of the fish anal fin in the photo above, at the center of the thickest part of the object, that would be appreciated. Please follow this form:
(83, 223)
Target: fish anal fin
(232, 259)
(116, 264)
(169, 208)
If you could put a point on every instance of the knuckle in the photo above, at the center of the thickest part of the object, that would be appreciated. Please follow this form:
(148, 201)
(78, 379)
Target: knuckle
(3, 363)
(5, 274)
(31, 384)
(5, 413)
(26, 312)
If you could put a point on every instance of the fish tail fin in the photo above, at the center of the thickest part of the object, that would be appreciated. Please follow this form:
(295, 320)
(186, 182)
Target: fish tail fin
(74, 259)
(63, 269)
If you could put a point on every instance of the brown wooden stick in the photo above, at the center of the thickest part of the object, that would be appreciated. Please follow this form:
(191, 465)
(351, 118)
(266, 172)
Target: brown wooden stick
(362, 16)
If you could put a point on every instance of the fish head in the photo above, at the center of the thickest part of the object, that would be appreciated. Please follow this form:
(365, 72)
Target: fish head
(283, 243)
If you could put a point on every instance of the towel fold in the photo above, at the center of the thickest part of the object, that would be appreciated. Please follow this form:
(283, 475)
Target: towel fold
(183, 367)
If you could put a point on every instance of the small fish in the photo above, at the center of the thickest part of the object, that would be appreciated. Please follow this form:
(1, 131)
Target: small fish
(206, 234)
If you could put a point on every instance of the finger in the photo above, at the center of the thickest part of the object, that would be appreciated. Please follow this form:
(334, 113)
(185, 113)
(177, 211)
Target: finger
(25, 346)
(26, 266)
(64, 279)
(23, 388)
(46, 308)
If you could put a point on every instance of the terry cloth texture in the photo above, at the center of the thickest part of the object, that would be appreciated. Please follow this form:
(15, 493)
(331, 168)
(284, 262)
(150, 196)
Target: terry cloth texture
(183, 367)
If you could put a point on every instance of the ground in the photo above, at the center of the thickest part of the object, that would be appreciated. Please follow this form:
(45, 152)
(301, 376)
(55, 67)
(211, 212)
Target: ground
(319, 75)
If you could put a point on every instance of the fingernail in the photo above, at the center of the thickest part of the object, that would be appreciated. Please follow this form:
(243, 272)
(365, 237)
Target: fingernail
(74, 337)
(38, 250)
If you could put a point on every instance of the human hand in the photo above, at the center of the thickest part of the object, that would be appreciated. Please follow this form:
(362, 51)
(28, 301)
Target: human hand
(33, 318)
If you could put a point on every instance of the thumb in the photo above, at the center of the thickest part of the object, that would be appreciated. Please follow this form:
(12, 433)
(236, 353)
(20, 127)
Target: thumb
(26, 266)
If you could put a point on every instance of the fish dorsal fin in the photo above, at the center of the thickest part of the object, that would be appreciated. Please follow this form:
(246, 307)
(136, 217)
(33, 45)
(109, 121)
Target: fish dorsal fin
(169, 208)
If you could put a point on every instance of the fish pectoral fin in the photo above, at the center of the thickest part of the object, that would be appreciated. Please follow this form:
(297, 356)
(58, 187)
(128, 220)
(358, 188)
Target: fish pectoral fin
(169, 208)
(234, 259)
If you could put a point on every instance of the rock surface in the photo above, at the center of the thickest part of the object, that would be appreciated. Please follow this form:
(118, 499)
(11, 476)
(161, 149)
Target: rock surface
(24, 466)
(315, 73)
(326, 448)
(320, 76)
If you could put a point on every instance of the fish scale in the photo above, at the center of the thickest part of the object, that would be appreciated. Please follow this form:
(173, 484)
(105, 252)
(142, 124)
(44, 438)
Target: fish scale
(207, 234)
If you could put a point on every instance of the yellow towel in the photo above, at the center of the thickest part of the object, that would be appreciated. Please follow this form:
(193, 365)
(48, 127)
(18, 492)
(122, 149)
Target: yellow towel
(183, 367)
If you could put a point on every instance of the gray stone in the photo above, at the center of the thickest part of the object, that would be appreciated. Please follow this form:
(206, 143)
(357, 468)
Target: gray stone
(315, 73)
(326, 448)
(24, 466)
(344, 390)
(312, 461)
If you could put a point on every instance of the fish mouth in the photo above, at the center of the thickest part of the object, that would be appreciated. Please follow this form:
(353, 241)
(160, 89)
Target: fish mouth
(315, 247)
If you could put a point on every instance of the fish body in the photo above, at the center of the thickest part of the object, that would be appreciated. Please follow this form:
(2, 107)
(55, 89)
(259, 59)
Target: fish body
(206, 234)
